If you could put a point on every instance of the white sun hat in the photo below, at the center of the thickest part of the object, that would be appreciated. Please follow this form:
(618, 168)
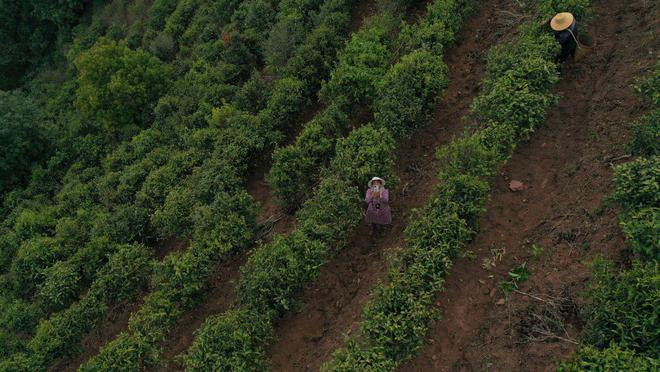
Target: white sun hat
(382, 181)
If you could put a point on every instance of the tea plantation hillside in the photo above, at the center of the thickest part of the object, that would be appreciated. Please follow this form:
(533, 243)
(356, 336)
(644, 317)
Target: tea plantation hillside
(182, 186)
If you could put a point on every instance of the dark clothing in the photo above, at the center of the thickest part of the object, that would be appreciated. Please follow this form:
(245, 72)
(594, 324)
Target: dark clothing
(567, 41)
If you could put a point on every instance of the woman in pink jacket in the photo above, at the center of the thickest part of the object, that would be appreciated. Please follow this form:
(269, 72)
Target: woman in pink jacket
(378, 198)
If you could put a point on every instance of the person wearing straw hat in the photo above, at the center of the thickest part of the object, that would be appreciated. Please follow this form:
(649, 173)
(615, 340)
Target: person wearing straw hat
(378, 198)
(565, 27)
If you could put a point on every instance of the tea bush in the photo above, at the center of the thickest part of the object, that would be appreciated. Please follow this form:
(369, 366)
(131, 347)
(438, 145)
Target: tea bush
(623, 308)
(408, 92)
(637, 183)
(612, 358)
(642, 231)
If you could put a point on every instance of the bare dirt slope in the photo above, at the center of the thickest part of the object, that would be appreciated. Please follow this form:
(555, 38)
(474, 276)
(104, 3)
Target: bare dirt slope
(334, 302)
(566, 170)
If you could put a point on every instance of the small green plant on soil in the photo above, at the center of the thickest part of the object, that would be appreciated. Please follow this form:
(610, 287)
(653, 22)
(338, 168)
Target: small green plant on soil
(536, 251)
(516, 276)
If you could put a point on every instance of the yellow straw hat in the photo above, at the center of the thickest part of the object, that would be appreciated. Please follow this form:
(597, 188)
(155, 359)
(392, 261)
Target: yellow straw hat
(562, 21)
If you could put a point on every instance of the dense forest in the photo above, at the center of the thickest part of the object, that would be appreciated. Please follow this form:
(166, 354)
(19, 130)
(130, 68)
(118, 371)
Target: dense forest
(130, 130)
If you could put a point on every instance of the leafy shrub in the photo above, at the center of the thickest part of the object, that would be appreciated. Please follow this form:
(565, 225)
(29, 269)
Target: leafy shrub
(297, 167)
(288, 32)
(23, 139)
(9, 244)
(535, 48)
(642, 231)
(649, 88)
(366, 152)
(30, 31)
(9, 345)
(525, 108)
(612, 358)
(229, 221)
(232, 342)
(623, 308)
(273, 274)
(362, 63)
(125, 273)
(646, 136)
(150, 324)
(60, 286)
(315, 58)
(34, 255)
(579, 8)
(119, 86)
(89, 258)
(469, 155)
(127, 354)
(254, 95)
(178, 21)
(286, 101)
(407, 93)
(637, 183)
(59, 336)
(18, 316)
(438, 29)
(40, 220)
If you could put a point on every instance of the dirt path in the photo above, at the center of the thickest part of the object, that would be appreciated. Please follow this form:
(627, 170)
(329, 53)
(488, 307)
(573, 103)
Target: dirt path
(566, 169)
(334, 302)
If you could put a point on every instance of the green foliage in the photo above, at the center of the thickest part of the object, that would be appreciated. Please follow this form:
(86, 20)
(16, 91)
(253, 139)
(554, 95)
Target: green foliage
(18, 316)
(273, 274)
(438, 29)
(525, 108)
(330, 215)
(293, 21)
(60, 287)
(362, 63)
(637, 183)
(119, 86)
(315, 57)
(9, 244)
(407, 93)
(126, 354)
(366, 152)
(231, 342)
(126, 272)
(296, 167)
(29, 31)
(23, 139)
(612, 358)
(642, 231)
(517, 275)
(646, 135)
(649, 88)
(285, 103)
(624, 308)
(579, 8)
(254, 95)
(33, 256)
(185, 174)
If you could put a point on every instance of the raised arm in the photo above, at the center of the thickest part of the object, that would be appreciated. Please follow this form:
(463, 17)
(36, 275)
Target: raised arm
(369, 196)
(385, 196)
